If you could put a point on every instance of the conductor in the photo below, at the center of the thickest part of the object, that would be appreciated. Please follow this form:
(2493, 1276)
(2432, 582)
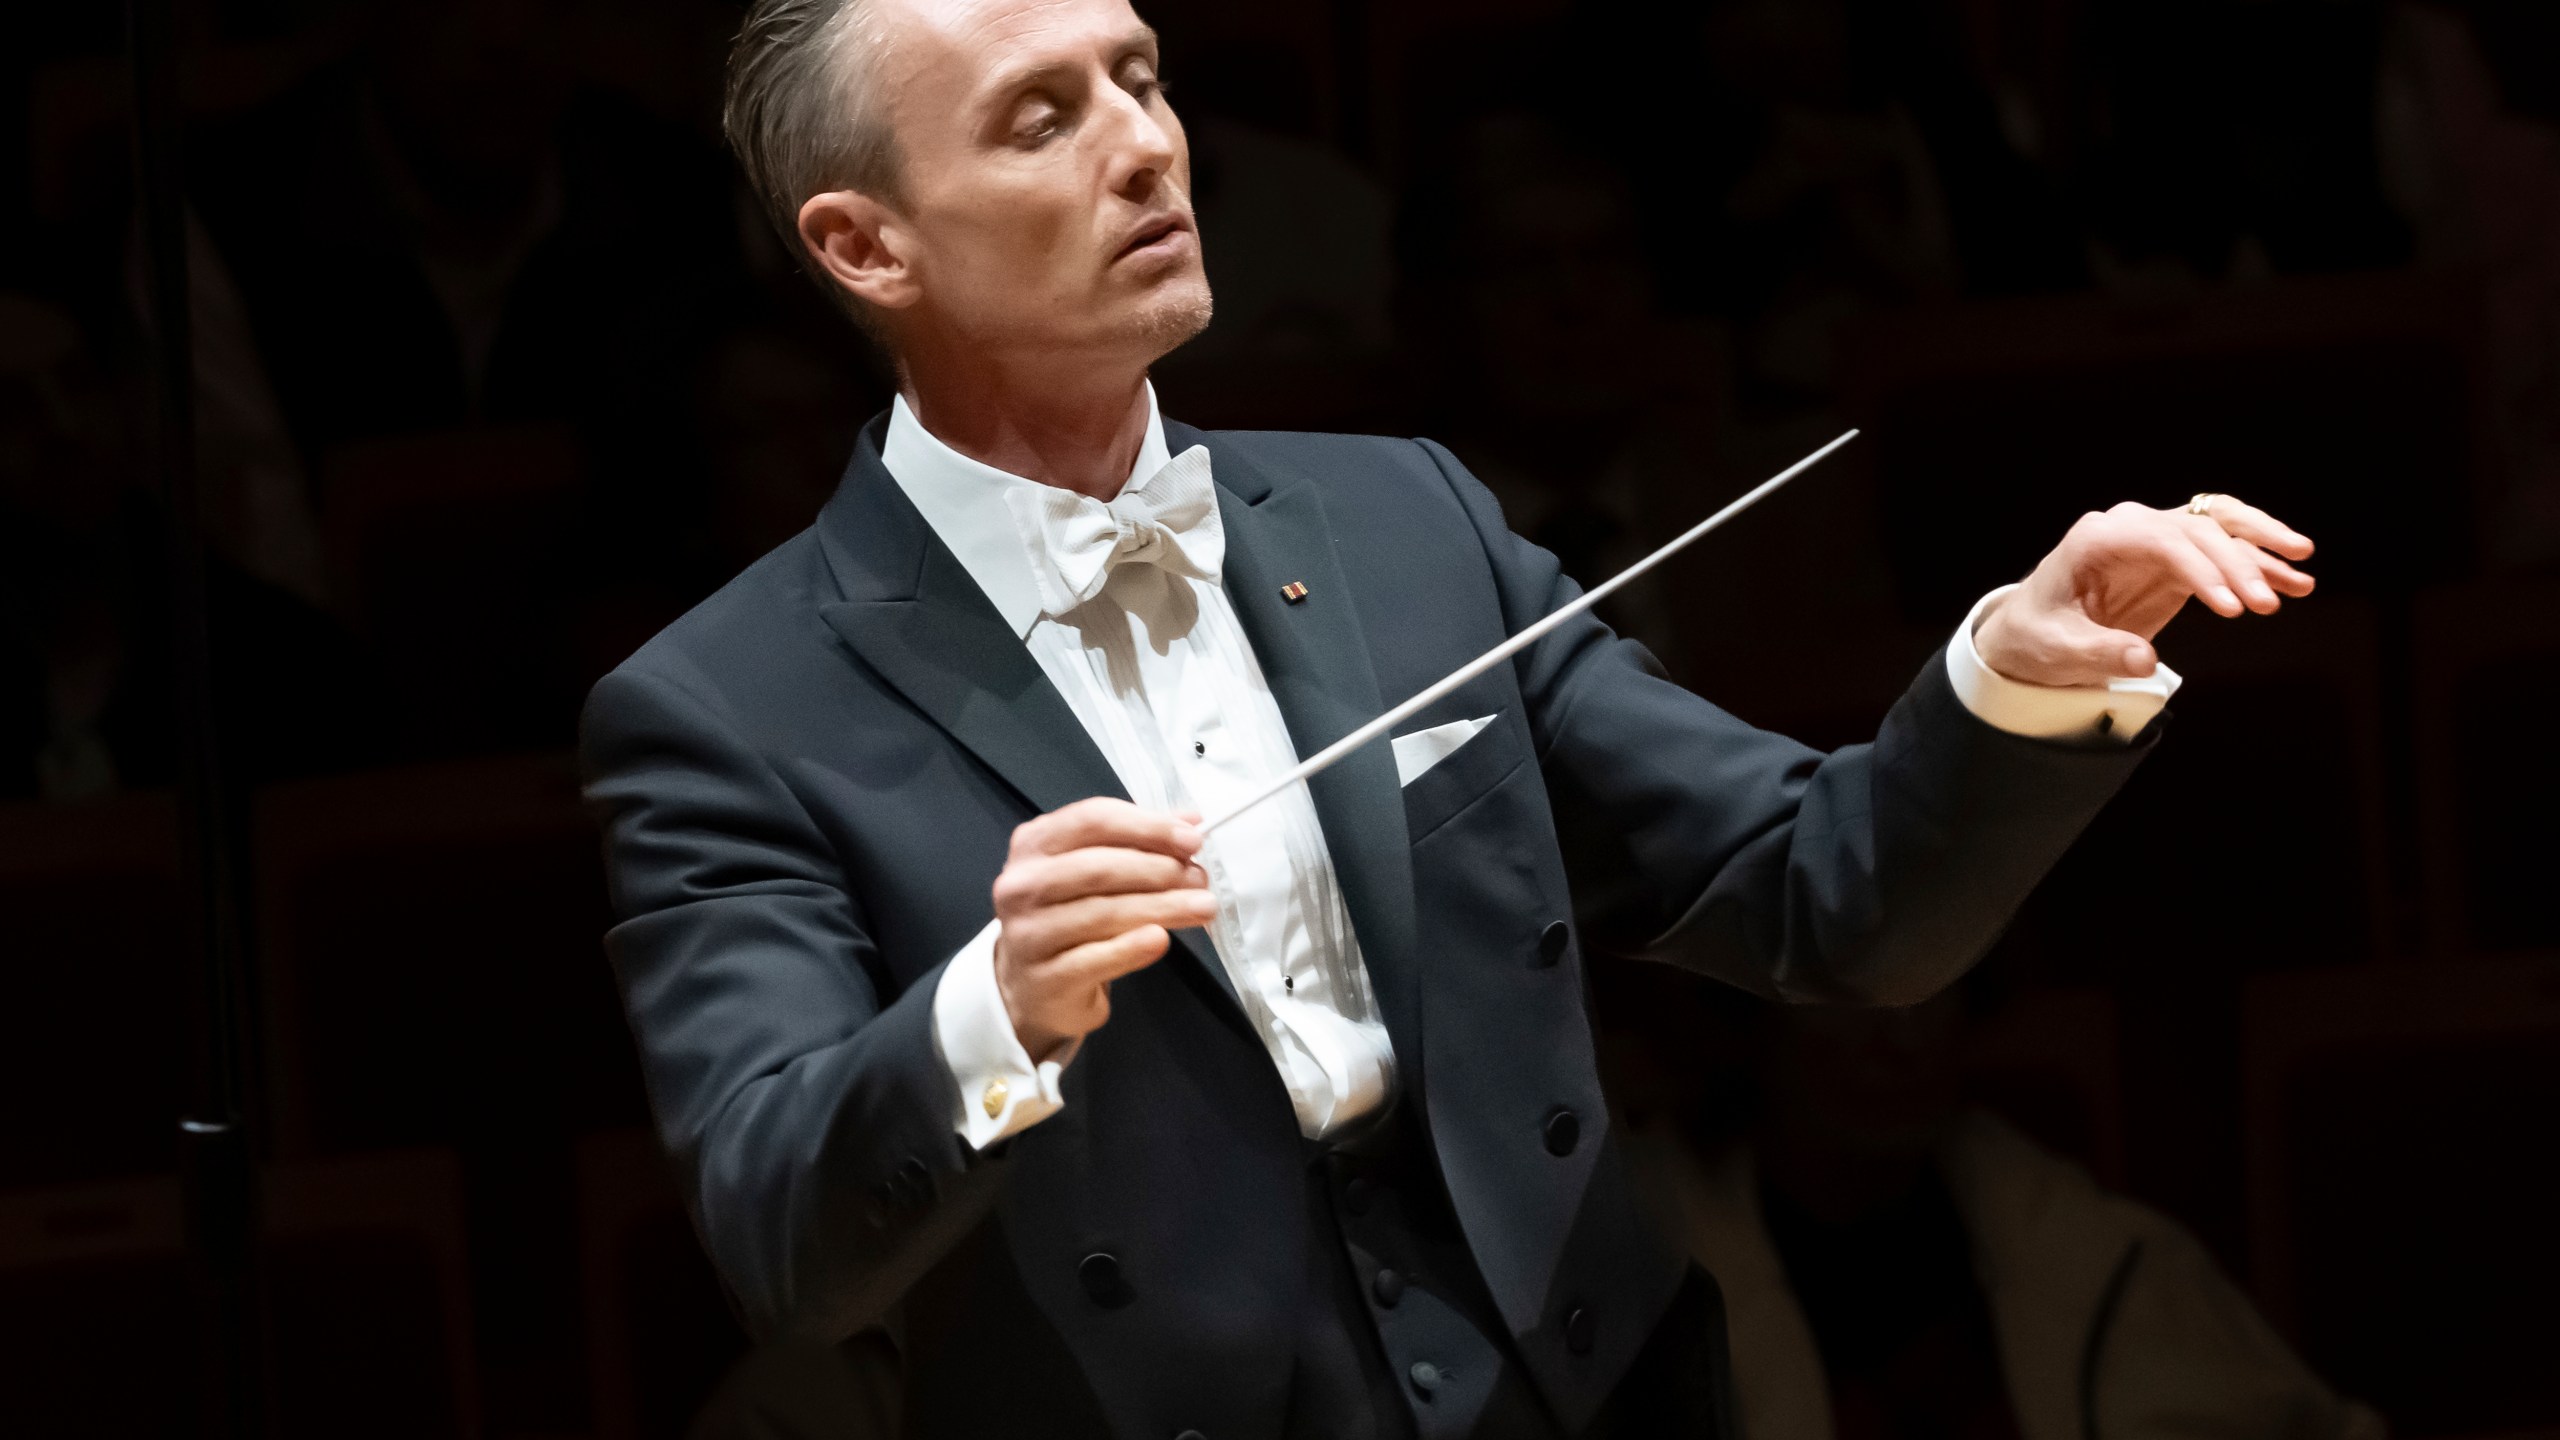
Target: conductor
(969, 1047)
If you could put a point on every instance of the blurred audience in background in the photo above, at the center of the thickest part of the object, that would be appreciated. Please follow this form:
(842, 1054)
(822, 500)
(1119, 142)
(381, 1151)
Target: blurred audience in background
(445, 233)
(1532, 313)
(69, 567)
(1898, 1261)
(498, 368)
(85, 687)
(1299, 244)
(2471, 146)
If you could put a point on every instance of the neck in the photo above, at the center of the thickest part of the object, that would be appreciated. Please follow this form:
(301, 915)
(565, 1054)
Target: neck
(1073, 425)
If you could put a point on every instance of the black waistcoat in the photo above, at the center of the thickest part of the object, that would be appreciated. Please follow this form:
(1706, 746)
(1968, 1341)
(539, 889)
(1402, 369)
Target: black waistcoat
(1400, 1338)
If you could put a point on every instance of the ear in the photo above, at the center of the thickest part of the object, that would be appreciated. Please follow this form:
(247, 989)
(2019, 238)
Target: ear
(863, 246)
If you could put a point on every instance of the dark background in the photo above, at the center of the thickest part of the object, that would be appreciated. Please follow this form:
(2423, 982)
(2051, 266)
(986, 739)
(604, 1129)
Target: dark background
(498, 370)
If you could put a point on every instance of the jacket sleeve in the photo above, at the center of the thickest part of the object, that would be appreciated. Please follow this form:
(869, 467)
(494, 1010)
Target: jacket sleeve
(804, 1105)
(1875, 874)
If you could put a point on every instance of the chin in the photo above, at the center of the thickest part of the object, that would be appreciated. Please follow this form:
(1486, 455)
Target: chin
(1173, 313)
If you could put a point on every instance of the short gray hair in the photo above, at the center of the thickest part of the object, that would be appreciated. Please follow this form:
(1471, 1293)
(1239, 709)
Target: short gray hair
(800, 111)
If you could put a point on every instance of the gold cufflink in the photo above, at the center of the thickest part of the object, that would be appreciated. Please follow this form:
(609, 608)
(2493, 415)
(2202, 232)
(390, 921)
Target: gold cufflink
(994, 1099)
(1294, 591)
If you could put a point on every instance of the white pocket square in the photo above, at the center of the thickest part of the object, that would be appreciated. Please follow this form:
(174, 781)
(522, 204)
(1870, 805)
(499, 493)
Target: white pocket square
(1423, 749)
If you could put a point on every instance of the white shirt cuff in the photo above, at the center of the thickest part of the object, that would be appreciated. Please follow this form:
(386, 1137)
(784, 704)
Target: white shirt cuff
(1000, 1092)
(2117, 710)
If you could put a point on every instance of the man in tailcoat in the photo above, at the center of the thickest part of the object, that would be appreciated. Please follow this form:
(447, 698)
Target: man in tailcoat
(972, 1050)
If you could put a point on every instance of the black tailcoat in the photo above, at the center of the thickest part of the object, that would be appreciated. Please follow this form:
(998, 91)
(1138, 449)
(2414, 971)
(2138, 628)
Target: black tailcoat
(809, 784)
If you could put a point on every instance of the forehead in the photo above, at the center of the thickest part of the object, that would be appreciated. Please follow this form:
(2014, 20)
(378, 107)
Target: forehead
(979, 43)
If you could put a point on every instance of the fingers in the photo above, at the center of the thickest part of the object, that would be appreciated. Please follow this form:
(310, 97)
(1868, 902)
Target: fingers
(2252, 549)
(1035, 935)
(1090, 892)
(2197, 554)
(1103, 961)
(2286, 580)
(1080, 980)
(1102, 821)
(2176, 547)
(2274, 541)
(1069, 994)
(2238, 561)
(2256, 526)
(1096, 870)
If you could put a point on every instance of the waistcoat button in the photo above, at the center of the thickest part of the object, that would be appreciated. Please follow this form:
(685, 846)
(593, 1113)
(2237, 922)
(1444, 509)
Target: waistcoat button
(1564, 1131)
(1100, 1272)
(1551, 943)
(1388, 1287)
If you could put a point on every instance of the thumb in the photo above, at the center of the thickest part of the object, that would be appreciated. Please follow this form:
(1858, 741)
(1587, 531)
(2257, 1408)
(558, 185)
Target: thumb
(2059, 646)
(2103, 652)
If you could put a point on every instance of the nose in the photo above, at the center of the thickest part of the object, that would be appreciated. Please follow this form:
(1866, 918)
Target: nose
(1144, 150)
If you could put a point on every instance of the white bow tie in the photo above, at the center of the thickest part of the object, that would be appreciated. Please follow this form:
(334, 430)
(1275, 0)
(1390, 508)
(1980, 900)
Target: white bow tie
(1171, 520)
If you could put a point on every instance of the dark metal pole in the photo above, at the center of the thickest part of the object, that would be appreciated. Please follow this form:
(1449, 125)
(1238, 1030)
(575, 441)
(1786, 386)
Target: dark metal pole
(220, 1176)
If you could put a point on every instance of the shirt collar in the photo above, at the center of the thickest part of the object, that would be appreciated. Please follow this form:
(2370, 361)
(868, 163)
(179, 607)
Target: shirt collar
(963, 500)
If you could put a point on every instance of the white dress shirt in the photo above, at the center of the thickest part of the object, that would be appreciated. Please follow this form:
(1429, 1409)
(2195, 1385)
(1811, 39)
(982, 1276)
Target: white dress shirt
(1157, 668)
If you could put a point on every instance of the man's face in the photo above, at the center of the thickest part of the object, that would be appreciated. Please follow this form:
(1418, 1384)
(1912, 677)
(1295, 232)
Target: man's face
(1047, 204)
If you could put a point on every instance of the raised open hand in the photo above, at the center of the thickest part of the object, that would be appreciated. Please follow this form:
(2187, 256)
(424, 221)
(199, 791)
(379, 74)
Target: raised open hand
(2091, 609)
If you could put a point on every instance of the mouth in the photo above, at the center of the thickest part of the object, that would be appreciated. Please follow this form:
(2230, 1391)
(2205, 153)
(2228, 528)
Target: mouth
(1162, 235)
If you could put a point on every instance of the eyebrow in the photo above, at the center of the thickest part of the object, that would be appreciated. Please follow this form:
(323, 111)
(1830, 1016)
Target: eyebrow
(1015, 82)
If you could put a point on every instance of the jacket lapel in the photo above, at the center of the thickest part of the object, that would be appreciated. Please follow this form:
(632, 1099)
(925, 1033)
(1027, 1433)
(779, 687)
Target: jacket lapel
(1317, 660)
(912, 614)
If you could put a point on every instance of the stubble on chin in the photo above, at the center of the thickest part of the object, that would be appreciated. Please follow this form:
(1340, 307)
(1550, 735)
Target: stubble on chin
(1174, 316)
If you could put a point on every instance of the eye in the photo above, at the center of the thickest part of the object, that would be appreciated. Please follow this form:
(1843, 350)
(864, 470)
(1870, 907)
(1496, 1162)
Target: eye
(1037, 124)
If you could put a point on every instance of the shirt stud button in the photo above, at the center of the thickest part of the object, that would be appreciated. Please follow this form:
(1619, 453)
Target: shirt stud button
(1199, 747)
(994, 1098)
